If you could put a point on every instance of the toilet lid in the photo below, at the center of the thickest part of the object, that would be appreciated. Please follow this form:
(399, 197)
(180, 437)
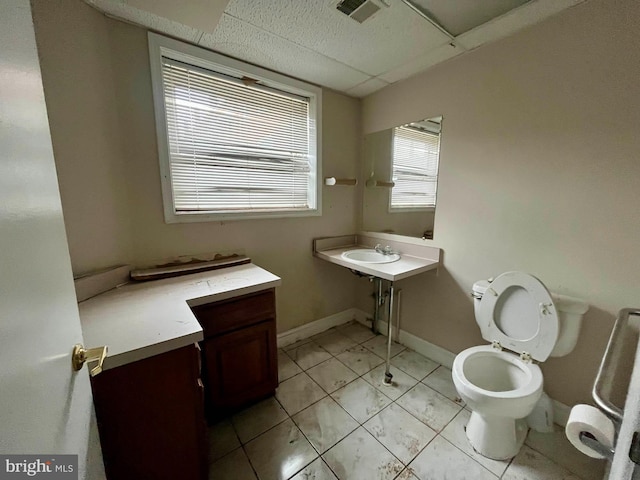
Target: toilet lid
(517, 311)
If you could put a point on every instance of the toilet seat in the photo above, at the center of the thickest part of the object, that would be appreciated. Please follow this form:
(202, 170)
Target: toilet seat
(530, 383)
(517, 312)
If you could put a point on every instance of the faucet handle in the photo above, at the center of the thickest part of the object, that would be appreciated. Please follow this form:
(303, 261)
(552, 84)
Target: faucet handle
(378, 248)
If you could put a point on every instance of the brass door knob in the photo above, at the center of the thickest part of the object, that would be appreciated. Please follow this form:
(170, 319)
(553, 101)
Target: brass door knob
(81, 355)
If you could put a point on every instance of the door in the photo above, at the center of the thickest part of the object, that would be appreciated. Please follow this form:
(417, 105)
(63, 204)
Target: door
(241, 366)
(45, 407)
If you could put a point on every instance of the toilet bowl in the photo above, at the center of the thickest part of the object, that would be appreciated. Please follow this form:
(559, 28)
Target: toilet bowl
(500, 382)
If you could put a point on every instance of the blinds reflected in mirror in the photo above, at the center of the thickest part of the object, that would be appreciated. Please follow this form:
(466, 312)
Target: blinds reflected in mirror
(415, 167)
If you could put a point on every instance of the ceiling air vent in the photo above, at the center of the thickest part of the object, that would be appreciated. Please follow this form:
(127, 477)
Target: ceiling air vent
(360, 10)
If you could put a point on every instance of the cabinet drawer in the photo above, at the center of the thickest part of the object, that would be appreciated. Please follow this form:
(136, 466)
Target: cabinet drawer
(235, 313)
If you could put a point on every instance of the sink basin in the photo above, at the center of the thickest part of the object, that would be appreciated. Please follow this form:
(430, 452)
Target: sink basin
(369, 255)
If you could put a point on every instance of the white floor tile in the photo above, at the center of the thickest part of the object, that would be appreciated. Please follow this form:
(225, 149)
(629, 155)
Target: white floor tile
(309, 355)
(360, 457)
(317, 470)
(407, 474)
(378, 345)
(325, 423)
(297, 344)
(278, 449)
(556, 447)
(222, 440)
(234, 465)
(455, 433)
(400, 383)
(287, 368)
(441, 381)
(400, 432)
(334, 342)
(298, 393)
(361, 400)
(280, 453)
(360, 359)
(331, 375)
(414, 364)
(532, 465)
(429, 406)
(356, 332)
(441, 460)
(258, 418)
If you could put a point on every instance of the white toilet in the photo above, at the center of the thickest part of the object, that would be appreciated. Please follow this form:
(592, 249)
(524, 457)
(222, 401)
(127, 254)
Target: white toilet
(500, 382)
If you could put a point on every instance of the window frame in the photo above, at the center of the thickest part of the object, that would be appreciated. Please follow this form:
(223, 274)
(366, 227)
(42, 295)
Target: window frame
(405, 209)
(160, 46)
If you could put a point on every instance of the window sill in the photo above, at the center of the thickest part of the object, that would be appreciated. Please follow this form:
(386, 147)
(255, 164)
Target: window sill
(172, 217)
(411, 209)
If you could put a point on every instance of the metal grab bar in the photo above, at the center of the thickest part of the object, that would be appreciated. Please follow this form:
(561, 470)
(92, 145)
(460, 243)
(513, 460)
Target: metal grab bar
(614, 412)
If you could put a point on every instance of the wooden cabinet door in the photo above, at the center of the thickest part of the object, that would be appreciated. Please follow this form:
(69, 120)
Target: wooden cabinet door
(150, 418)
(241, 366)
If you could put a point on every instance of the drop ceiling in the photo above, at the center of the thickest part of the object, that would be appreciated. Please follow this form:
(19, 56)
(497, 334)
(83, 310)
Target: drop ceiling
(313, 41)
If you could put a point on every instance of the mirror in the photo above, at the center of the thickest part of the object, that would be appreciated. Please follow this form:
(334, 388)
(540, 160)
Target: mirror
(400, 170)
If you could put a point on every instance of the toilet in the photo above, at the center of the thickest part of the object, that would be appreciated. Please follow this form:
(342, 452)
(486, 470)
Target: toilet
(501, 382)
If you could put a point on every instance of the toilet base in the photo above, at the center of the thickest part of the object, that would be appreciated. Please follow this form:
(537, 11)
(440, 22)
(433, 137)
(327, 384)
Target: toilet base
(499, 438)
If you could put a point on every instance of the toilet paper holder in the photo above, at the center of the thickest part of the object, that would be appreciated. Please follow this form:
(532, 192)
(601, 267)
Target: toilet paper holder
(590, 441)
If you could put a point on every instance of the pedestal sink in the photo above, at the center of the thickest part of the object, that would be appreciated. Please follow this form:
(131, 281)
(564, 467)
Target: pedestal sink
(369, 255)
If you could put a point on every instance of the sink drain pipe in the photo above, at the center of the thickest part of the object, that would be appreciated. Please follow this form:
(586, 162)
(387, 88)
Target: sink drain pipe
(387, 372)
(379, 301)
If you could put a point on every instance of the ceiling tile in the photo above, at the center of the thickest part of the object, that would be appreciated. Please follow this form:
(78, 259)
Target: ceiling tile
(511, 22)
(390, 38)
(463, 15)
(246, 42)
(421, 63)
(367, 87)
(200, 14)
(119, 9)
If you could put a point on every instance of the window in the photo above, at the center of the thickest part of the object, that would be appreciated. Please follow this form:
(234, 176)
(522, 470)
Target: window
(415, 167)
(234, 140)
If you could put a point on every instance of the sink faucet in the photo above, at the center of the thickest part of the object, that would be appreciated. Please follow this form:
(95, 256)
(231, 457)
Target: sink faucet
(385, 251)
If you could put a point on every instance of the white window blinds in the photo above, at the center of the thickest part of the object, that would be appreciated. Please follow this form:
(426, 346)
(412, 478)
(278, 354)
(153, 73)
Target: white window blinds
(415, 168)
(233, 147)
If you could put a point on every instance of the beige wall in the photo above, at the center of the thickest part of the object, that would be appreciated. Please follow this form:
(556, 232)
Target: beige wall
(310, 289)
(540, 172)
(75, 55)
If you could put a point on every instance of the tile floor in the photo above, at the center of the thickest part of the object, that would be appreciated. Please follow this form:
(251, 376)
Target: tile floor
(332, 418)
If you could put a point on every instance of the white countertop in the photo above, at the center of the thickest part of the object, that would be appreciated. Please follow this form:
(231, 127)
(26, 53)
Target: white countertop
(140, 320)
(407, 266)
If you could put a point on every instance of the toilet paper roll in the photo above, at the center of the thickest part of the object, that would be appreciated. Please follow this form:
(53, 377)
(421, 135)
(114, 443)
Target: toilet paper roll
(585, 418)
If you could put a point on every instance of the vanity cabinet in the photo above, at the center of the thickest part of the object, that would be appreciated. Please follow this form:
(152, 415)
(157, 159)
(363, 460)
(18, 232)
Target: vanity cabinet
(151, 417)
(239, 351)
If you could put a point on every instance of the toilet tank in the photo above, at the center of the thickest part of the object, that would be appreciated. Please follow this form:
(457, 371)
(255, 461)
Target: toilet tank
(570, 312)
(477, 292)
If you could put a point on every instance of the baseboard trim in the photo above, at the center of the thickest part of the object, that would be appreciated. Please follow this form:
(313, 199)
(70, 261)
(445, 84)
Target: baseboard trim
(428, 349)
(445, 357)
(318, 326)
